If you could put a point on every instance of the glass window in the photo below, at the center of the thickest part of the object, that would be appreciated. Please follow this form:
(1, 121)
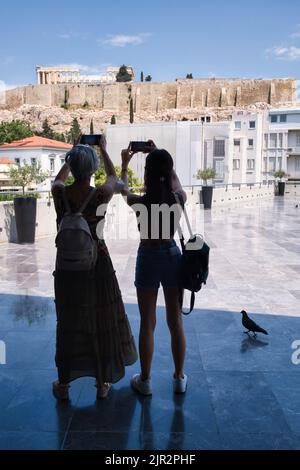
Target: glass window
(219, 167)
(282, 117)
(250, 164)
(297, 164)
(273, 117)
(266, 139)
(250, 142)
(33, 161)
(236, 163)
(237, 143)
(272, 164)
(279, 163)
(208, 119)
(298, 139)
(52, 163)
(62, 161)
(252, 124)
(219, 148)
(17, 161)
(238, 125)
(273, 140)
(280, 140)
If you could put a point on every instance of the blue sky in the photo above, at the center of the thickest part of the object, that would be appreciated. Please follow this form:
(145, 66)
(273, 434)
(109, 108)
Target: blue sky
(166, 38)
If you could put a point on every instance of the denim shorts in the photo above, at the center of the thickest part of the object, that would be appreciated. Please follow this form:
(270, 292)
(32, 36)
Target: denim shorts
(158, 264)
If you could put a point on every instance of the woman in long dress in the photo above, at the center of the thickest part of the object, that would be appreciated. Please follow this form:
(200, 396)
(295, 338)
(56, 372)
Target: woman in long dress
(94, 337)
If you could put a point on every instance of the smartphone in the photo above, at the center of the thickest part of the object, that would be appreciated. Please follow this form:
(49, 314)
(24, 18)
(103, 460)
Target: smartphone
(90, 139)
(137, 146)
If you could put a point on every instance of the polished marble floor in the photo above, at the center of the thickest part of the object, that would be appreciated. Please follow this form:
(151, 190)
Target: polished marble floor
(243, 393)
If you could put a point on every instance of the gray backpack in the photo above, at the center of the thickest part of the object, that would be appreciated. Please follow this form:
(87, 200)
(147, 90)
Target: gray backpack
(76, 248)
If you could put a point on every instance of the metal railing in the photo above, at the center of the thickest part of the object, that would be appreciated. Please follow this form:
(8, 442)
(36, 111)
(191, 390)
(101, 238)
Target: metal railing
(192, 187)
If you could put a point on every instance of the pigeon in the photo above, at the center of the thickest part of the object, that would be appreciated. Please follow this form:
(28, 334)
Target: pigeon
(251, 325)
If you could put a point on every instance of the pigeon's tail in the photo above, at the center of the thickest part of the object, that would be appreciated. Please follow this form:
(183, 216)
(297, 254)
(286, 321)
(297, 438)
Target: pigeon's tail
(261, 330)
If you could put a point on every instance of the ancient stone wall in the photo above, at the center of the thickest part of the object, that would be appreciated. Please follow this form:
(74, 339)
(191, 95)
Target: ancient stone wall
(157, 97)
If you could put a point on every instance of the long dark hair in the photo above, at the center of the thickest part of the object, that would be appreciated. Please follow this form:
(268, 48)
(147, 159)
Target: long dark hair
(158, 176)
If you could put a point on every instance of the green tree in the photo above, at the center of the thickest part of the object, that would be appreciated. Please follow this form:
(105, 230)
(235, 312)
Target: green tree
(92, 127)
(123, 75)
(190, 76)
(75, 132)
(23, 175)
(142, 76)
(113, 120)
(131, 111)
(59, 136)
(148, 78)
(14, 130)
(65, 104)
(47, 131)
(133, 181)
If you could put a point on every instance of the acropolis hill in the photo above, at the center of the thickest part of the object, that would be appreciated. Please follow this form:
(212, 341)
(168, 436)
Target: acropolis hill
(152, 101)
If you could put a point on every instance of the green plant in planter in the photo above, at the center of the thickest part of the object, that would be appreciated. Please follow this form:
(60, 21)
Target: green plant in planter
(26, 174)
(206, 174)
(279, 174)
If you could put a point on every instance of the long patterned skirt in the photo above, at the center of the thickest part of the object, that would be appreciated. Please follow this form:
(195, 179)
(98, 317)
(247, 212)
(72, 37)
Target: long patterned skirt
(93, 335)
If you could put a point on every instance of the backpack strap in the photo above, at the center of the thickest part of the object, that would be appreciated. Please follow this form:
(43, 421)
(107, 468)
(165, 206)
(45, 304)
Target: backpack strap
(87, 200)
(192, 302)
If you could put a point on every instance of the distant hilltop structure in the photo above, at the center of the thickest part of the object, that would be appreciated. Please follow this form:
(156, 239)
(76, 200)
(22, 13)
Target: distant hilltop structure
(68, 75)
(65, 87)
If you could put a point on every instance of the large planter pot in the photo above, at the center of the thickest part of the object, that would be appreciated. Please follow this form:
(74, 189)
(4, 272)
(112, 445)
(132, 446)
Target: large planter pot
(207, 194)
(281, 188)
(25, 212)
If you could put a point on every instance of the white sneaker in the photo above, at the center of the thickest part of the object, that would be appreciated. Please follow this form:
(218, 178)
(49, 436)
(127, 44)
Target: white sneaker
(180, 384)
(142, 386)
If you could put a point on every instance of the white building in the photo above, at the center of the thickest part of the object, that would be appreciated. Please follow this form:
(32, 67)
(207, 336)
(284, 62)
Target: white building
(282, 142)
(49, 154)
(5, 165)
(245, 150)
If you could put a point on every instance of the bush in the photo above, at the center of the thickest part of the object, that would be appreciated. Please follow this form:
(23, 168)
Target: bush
(206, 174)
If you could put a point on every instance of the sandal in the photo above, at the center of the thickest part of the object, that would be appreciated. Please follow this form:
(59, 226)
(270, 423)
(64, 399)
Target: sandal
(60, 391)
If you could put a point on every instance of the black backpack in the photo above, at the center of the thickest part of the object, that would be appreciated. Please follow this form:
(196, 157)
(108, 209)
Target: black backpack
(195, 261)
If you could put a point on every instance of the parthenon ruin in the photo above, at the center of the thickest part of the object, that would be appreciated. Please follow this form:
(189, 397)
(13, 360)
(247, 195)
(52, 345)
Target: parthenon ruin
(67, 74)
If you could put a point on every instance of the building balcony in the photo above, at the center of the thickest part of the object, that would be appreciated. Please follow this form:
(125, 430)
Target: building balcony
(294, 150)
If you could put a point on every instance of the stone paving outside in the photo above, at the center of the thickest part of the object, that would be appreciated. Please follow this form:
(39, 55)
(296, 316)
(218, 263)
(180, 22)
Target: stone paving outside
(242, 394)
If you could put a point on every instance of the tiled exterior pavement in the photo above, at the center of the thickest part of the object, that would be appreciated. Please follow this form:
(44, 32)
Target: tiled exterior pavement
(243, 393)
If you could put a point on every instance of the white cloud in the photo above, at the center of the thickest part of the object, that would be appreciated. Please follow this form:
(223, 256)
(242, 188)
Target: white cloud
(122, 40)
(290, 53)
(64, 36)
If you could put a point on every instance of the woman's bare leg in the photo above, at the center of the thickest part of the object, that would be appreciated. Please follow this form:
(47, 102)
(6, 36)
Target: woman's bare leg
(147, 304)
(175, 324)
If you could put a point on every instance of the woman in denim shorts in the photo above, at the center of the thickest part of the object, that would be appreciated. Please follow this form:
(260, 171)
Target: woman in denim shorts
(158, 260)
